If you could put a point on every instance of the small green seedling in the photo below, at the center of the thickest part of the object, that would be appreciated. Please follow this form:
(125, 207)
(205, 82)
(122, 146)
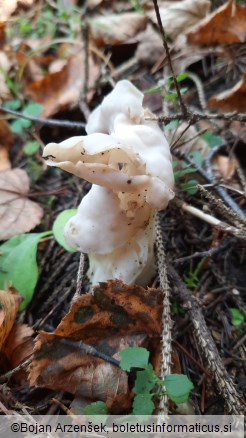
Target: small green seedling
(147, 385)
(237, 317)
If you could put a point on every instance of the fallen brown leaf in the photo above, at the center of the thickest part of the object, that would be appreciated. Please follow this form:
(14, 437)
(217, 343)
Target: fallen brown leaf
(225, 25)
(178, 16)
(9, 305)
(226, 166)
(56, 91)
(18, 214)
(116, 28)
(115, 317)
(6, 141)
(231, 100)
(8, 7)
(18, 347)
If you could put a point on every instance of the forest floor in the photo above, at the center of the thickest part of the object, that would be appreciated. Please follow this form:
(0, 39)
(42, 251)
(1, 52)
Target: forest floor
(58, 59)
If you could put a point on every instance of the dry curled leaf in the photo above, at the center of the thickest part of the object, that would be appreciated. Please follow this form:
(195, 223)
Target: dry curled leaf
(9, 305)
(56, 91)
(115, 317)
(116, 28)
(18, 214)
(233, 99)
(225, 25)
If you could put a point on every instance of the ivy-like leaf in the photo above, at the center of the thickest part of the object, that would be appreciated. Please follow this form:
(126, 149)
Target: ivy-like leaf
(178, 387)
(145, 381)
(134, 357)
(142, 405)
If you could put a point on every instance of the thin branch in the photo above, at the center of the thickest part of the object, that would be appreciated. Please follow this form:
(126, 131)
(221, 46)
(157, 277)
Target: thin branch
(209, 253)
(196, 117)
(42, 121)
(220, 225)
(169, 60)
(166, 336)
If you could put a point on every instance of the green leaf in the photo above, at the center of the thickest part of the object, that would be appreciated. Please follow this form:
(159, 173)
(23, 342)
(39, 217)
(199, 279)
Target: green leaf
(32, 109)
(145, 381)
(182, 76)
(18, 264)
(31, 147)
(96, 408)
(13, 104)
(211, 139)
(153, 89)
(18, 125)
(190, 186)
(134, 357)
(172, 125)
(178, 387)
(196, 157)
(237, 317)
(143, 405)
(183, 172)
(58, 227)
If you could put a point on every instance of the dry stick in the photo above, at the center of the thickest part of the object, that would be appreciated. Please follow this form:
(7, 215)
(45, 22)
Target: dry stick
(166, 338)
(10, 373)
(220, 225)
(196, 117)
(224, 382)
(219, 207)
(80, 275)
(209, 253)
(164, 40)
(208, 176)
(51, 122)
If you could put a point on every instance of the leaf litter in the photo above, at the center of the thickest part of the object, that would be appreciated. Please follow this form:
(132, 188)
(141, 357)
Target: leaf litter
(56, 76)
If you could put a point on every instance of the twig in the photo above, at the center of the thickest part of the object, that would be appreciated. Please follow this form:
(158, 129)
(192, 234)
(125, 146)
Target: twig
(80, 275)
(42, 121)
(223, 380)
(208, 176)
(88, 349)
(166, 337)
(229, 201)
(10, 373)
(196, 117)
(169, 60)
(220, 225)
(220, 208)
(209, 253)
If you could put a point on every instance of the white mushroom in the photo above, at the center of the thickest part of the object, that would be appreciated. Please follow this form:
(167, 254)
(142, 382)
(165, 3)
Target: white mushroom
(127, 159)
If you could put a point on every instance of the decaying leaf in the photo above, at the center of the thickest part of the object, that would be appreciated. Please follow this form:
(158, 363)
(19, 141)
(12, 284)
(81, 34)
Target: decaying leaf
(18, 347)
(226, 24)
(115, 317)
(116, 28)
(6, 141)
(9, 305)
(178, 16)
(56, 91)
(8, 7)
(231, 100)
(225, 166)
(18, 214)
